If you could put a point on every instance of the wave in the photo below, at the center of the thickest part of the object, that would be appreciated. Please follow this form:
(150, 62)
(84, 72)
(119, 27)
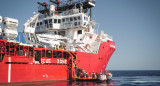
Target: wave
(139, 81)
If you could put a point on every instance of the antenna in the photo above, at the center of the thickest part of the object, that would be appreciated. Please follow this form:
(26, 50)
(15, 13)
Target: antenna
(90, 14)
(43, 8)
(70, 4)
(71, 1)
(56, 2)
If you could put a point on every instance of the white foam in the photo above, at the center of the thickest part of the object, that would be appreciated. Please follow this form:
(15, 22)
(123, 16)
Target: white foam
(138, 81)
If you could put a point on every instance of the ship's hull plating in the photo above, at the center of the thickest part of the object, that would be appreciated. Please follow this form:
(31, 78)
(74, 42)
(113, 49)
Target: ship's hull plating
(18, 72)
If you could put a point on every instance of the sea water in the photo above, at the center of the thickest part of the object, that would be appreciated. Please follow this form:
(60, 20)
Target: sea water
(120, 78)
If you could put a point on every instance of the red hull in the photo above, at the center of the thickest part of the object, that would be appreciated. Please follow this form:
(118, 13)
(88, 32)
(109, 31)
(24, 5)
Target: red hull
(22, 68)
(96, 62)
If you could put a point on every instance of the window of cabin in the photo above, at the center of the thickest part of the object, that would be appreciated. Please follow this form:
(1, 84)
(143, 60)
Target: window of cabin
(46, 21)
(54, 54)
(63, 20)
(59, 53)
(21, 52)
(26, 53)
(79, 23)
(59, 20)
(55, 32)
(50, 25)
(50, 21)
(49, 54)
(43, 53)
(84, 23)
(40, 23)
(75, 18)
(86, 18)
(31, 52)
(7, 48)
(65, 55)
(37, 55)
(79, 18)
(75, 23)
(55, 20)
(17, 50)
(71, 19)
(67, 19)
(79, 31)
(12, 51)
(62, 33)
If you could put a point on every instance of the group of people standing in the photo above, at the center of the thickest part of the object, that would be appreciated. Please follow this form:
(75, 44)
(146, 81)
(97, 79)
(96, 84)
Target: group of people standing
(82, 74)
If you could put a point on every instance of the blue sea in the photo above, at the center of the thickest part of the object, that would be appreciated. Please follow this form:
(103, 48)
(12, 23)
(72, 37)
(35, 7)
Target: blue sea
(120, 78)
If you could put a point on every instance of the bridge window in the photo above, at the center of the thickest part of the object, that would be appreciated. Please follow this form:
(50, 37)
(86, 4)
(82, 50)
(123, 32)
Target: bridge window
(46, 21)
(67, 19)
(79, 23)
(63, 20)
(75, 18)
(71, 19)
(75, 23)
(79, 18)
(59, 20)
(55, 20)
(40, 23)
(86, 18)
(50, 20)
(50, 23)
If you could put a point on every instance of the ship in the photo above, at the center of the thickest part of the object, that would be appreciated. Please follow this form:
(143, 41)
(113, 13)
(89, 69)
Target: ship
(61, 38)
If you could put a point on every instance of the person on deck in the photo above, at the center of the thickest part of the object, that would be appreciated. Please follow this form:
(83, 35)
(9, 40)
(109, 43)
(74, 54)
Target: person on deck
(101, 72)
(83, 71)
(93, 74)
(86, 75)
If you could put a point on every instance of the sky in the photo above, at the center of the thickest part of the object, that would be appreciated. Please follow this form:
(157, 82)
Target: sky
(133, 24)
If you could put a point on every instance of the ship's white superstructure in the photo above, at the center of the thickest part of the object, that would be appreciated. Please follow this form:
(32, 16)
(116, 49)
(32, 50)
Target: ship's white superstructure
(70, 29)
